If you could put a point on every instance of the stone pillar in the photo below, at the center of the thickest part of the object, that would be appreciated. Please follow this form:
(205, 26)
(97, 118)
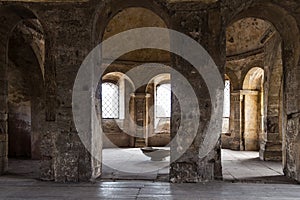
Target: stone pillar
(271, 141)
(291, 159)
(141, 111)
(204, 25)
(235, 120)
(64, 157)
(271, 144)
(50, 130)
(131, 123)
(244, 121)
(151, 113)
(250, 123)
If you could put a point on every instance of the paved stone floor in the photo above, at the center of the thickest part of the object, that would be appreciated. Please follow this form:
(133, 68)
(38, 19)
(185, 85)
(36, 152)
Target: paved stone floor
(131, 164)
(128, 164)
(245, 166)
(21, 182)
(238, 166)
(13, 189)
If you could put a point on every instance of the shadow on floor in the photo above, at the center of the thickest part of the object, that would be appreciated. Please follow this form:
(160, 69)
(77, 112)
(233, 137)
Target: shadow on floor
(280, 179)
(132, 164)
(245, 166)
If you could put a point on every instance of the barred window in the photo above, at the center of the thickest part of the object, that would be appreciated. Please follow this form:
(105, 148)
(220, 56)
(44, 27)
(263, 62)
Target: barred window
(110, 101)
(163, 101)
(226, 107)
(226, 112)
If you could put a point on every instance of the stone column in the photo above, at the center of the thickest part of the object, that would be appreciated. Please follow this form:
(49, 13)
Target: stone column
(132, 124)
(271, 141)
(271, 144)
(50, 129)
(291, 159)
(204, 25)
(151, 106)
(250, 135)
(236, 120)
(64, 157)
(141, 111)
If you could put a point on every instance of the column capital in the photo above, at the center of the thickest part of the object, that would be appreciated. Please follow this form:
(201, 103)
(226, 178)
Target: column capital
(245, 92)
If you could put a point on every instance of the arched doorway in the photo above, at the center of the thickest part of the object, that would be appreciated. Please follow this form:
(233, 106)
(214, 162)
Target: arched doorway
(22, 104)
(130, 130)
(254, 58)
(252, 110)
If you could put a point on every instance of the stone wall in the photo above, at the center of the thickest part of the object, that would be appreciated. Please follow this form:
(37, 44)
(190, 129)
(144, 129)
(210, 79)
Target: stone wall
(113, 129)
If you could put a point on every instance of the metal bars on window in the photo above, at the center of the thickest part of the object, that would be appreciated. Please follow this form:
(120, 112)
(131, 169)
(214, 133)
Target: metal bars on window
(163, 101)
(110, 101)
(226, 108)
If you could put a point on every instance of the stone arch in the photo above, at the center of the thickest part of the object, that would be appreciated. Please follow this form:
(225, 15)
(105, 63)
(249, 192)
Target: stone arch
(11, 16)
(116, 76)
(105, 12)
(253, 79)
(248, 68)
(105, 17)
(252, 109)
(286, 26)
(126, 88)
(234, 81)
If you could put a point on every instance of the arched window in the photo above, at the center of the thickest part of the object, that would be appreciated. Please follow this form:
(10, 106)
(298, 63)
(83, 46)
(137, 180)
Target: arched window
(226, 107)
(110, 101)
(163, 101)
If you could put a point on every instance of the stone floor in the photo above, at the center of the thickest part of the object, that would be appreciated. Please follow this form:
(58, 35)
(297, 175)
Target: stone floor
(128, 164)
(131, 164)
(20, 182)
(238, 166)
(245, 166)
(14, 189)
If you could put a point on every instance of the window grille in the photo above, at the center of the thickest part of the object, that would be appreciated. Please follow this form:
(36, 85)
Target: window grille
(163, 101)
(226, 111)
(226, 107)
(110, 101)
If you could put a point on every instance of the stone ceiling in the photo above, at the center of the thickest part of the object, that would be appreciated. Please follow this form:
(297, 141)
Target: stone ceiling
(247, 35)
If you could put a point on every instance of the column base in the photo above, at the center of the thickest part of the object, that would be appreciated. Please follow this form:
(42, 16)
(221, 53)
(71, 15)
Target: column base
(271, 152)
